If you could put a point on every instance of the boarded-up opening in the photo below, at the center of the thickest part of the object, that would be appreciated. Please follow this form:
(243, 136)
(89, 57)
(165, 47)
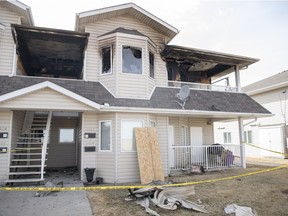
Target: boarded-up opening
(149, 158)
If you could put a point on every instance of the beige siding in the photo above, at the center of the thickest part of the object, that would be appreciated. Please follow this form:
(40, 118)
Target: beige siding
(6, 41)
(89, 125)
(5, 126)
(61, 154)
(124, 85)
(162, 133)
(45, 99)
(18, 119)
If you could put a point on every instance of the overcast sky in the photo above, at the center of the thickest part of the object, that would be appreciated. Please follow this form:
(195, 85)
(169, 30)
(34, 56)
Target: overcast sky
(257, 29)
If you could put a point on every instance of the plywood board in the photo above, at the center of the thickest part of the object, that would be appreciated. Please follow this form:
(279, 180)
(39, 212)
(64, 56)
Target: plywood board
(148, 152)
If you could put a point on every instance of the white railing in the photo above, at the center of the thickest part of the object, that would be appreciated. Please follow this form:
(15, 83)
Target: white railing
(45, 143)
(202, 86)
(208, 156)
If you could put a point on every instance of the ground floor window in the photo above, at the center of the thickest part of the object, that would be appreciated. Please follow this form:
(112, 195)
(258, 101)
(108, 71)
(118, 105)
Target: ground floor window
(66, 135)
(128, 143)
(227, 137)
(248, 136)
(105, 135)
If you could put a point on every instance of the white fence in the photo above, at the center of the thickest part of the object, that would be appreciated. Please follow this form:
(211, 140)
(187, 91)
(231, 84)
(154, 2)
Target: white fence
(208, 156)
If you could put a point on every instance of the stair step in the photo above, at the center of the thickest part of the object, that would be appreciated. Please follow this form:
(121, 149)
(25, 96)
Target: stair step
(23, 180)
(39, 159)
(25, 173)
(29, 138)
(30, 134)
(27, 154)
(26, 166)
(27, 143)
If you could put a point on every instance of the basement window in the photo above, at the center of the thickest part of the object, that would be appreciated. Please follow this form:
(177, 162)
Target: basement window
(66, 135)
(106, 60)
(131, 60)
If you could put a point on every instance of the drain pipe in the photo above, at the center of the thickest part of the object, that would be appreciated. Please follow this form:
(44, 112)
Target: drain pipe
(248, 123)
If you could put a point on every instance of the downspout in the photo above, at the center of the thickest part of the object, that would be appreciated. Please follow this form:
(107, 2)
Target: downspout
(248, 123)
(116, 148)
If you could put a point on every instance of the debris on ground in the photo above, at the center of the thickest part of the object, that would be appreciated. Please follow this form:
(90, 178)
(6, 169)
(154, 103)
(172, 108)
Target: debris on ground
(239, 210)
(46, 193)
(169, 198)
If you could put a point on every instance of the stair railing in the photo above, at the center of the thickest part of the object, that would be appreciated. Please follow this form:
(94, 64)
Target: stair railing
(45, 143)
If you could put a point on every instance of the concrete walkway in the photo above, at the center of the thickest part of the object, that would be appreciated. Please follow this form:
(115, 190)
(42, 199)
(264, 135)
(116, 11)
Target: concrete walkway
(62, 203)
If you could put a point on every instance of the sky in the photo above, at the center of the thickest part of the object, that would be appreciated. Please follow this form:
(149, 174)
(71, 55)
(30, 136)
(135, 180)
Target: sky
(257, 29)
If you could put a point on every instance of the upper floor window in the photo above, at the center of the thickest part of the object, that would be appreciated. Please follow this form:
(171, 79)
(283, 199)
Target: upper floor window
(106, 60)
(151, 64)
(131, 60)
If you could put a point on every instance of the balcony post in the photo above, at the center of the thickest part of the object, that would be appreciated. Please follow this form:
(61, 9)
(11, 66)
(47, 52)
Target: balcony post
(242, 142)
(237, 78)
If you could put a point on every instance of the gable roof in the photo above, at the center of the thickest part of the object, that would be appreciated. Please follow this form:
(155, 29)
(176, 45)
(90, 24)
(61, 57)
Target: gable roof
(125, 9)
(279, 80)
(163, 100)
(19, 8)
(43, 85)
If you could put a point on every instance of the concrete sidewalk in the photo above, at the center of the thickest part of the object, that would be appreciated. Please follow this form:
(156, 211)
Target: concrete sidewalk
(22, 203)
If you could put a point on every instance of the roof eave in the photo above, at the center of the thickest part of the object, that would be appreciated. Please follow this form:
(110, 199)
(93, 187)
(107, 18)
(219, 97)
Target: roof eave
(26, 10)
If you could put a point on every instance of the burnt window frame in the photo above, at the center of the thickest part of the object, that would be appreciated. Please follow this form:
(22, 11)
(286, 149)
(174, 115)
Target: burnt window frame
(151, 75)
(111, 62)
(122, 61)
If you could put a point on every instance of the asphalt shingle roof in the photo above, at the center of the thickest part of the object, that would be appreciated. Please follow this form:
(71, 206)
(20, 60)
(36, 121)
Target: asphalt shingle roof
(162, 98)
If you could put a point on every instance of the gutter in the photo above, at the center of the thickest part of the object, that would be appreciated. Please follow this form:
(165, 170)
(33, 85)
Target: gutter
(107, 108)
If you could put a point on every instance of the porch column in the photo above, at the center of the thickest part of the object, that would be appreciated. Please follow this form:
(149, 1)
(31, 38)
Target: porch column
(242, 142)
(237, 78)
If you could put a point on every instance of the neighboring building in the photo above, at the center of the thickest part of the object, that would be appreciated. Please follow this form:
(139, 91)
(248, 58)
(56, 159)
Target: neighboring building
(80, 93)
(269, 132)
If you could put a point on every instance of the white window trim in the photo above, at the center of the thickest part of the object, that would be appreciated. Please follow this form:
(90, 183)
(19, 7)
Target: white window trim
(110, 150)
(142, 60)
(128, 120)
(74, 138)
(151, 121)
(2, 27)
(111, 58)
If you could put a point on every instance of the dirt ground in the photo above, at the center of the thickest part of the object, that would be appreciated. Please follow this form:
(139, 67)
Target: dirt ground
(267, 193)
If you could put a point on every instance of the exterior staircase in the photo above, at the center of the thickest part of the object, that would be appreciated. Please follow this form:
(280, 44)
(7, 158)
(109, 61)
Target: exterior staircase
(28, 159)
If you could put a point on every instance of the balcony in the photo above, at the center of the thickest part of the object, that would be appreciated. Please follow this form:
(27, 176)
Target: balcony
(202, 86)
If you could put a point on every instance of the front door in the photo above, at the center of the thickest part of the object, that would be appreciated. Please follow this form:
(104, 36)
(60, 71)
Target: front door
(197, 151)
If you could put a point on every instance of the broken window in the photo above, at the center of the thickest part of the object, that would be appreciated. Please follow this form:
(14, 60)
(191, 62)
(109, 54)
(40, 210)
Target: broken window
(227, 137)
(106, 60)
(131, 60)
(105, 136)
(66, 135)
(128, 142)
(151, 64)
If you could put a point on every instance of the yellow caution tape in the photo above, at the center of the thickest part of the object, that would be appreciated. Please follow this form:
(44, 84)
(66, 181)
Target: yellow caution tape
(138, 186)
(266, 149)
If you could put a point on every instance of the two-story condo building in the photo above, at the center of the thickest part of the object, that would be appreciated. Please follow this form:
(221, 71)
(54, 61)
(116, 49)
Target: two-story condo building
(72, 98)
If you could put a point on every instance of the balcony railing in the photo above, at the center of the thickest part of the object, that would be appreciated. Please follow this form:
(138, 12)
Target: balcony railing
(208, 156)
(202, 86)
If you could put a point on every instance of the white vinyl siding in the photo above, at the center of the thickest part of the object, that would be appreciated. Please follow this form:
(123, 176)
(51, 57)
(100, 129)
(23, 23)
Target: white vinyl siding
(119, 87)
(45, 99)
(227, 137)
(7, 46)
(104, 162)
(5, 124)
(128, 142)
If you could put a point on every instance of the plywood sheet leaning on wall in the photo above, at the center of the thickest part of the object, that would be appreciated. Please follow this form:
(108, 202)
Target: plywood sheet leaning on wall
(149, 158)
